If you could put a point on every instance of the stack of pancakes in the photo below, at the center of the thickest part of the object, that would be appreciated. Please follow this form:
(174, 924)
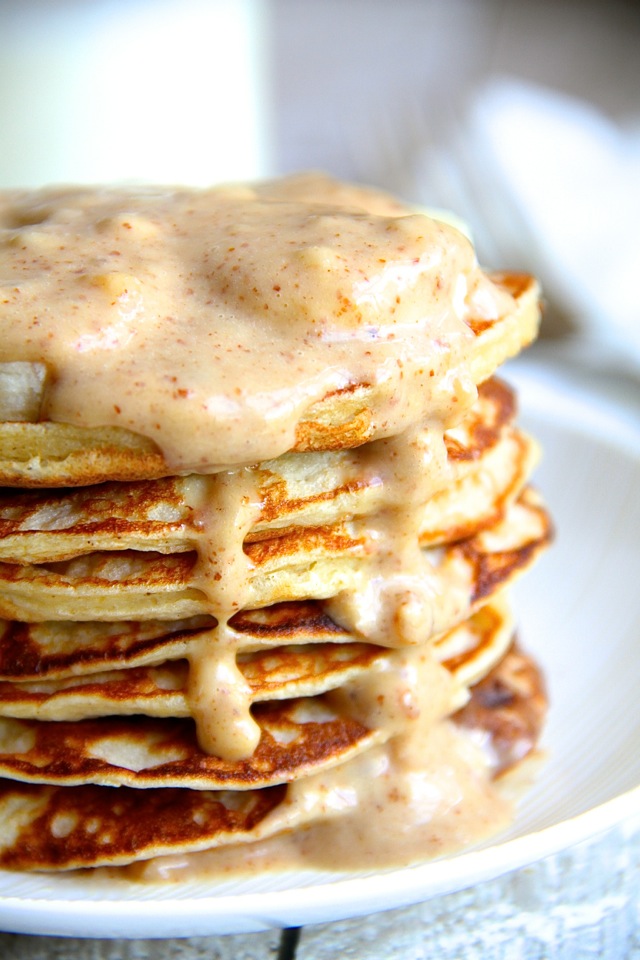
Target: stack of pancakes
(185, 656)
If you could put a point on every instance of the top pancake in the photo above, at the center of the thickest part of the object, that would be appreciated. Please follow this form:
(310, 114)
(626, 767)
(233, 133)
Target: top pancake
(48, 454)
(337, 316)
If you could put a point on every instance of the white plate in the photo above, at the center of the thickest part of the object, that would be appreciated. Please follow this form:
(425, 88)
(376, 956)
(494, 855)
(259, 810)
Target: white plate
(579, 610)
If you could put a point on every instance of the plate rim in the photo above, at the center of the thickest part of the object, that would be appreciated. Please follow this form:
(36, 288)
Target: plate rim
(392, 889)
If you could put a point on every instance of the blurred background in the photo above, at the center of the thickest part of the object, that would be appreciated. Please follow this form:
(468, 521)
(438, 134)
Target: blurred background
(523, 118)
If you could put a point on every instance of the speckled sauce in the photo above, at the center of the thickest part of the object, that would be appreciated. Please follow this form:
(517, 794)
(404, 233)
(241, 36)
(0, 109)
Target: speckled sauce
(211, 320)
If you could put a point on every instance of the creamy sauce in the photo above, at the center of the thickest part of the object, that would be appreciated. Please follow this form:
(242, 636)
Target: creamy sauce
(212, 322)
(396, 602)
(219, 697)
(396, 805)
(426, 792)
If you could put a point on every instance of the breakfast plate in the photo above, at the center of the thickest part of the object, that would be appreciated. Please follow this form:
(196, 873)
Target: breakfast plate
(579, 612)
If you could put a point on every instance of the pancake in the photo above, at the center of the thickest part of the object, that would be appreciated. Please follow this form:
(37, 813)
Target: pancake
(277, 671)
(489, 459)
(263, 500)
(42, 453)
(507, 710)
(312, 564)
(296, 738)
(54, 828)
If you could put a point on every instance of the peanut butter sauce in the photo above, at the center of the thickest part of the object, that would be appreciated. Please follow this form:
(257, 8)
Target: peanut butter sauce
(426, 792)
(211, 320)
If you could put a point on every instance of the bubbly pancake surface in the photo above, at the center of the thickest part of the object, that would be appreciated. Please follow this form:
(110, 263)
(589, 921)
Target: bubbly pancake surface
(263, 498)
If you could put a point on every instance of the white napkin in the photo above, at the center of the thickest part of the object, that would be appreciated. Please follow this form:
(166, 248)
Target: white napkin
(570, 180)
